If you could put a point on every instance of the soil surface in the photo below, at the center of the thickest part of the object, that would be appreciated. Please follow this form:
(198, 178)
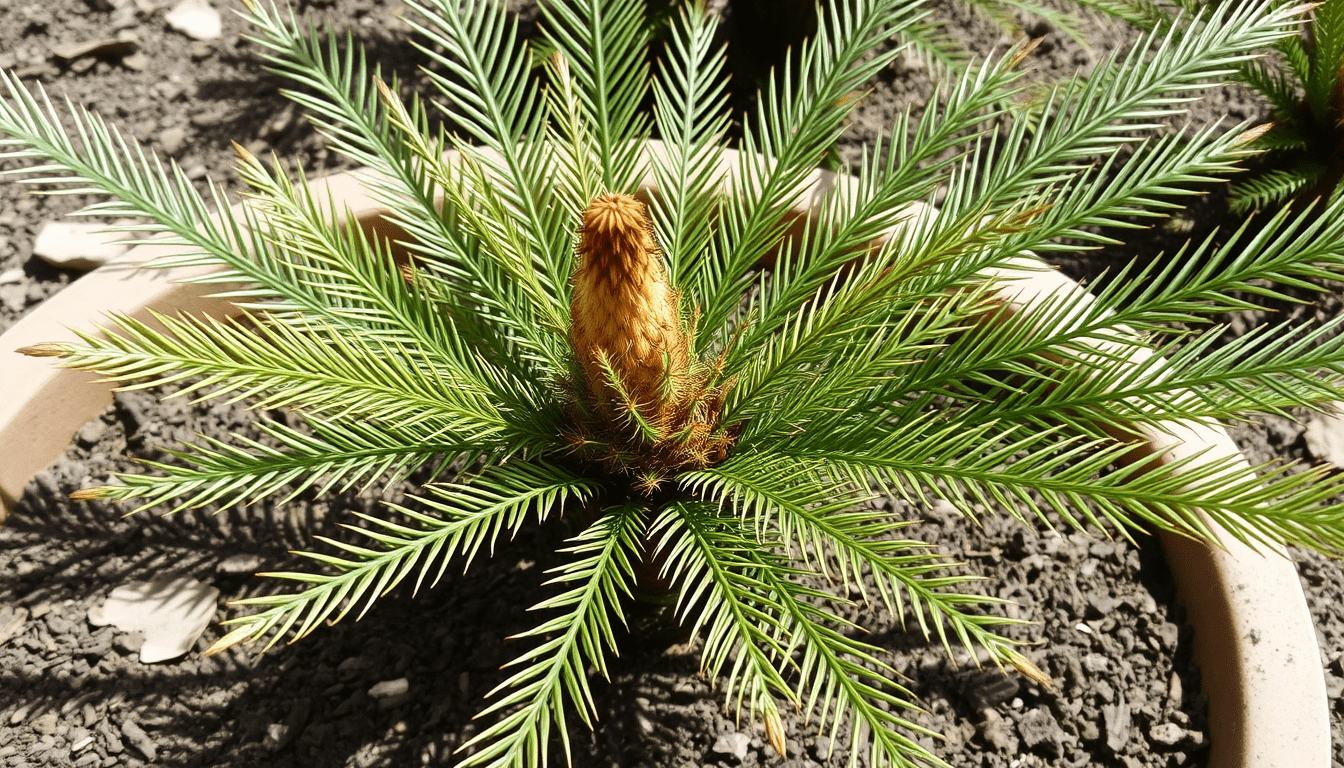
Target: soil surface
(1106, 627)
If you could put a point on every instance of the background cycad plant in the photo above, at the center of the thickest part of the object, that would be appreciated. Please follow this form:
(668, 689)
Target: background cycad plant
(1305, 89)
(712, 387)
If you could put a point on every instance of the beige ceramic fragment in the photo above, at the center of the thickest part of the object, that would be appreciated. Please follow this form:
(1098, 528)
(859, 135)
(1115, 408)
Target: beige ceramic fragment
(171, 611)
(80, 245)
(1325, 437)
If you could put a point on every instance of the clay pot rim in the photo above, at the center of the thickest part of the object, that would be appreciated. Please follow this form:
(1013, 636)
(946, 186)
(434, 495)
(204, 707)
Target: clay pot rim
(1254, 636)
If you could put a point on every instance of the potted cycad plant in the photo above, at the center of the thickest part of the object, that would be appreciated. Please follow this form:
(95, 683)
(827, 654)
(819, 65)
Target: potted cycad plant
(712, 359)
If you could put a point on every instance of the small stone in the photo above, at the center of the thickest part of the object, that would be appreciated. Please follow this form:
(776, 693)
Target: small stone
(139, 740)
(1175, 690)
(1040, 732)
(11, 276)
(1172, 736)
(12, 297)
(1116, 719)
(943, 507)
(45, 724)
(79, 245)
(1096, 663)
(1099, 605)
(173, 140)
(997, 732)
(110, 739)
(390, 693)
(351, 668)
(13, 620)
(113, 46)
(89, 434)
(239, 565)
(733, 745)
(1325, 436)
(123, 18)
(195, 19)
(646, 725)
(136, 62)
(278, 735)
(80, 738)
(822, 748)
(129, 642)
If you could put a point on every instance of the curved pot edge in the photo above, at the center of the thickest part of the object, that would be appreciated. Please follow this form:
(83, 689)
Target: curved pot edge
(1254, 637)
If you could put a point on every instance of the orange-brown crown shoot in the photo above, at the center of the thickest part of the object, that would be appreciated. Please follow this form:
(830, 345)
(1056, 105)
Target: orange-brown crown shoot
(623, 309)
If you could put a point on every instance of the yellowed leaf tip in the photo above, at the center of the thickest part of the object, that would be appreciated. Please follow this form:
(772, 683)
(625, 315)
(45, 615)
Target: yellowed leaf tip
(1023, 52)
(228, 641)
(1252, 134)
(87, 494)
(774, 732)
(47, 349)
(244, 153)
(1029, 669)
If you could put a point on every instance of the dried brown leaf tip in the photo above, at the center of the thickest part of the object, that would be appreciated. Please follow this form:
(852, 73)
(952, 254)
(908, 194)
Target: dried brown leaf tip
(774, 732)
(642, 400)
(48, 349)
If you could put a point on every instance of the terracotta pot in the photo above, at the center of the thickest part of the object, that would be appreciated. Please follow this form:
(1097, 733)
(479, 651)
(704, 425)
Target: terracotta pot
(1254, 639)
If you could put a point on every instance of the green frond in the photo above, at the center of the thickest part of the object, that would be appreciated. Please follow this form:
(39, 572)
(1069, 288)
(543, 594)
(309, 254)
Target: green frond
(930, 43)
(577, 157)
(532, 701)
(1326, 52)
(1147, 184)
(1294, 52)
(92, 158)
(1268, 189)
(799, 118)
(1264, 371)
(863, 348)
(334, 456)
(1275, 85)
(343, 101)
(605, 42)
(465, 518)
(1124, 97)
(321, 369)
(762, 620)
(1284, 136)
(829, 526)
(491, 96)
(890, 177)
(714, 558)
(842, 680)
(860, 305)
(690, 110)
(1143, 14)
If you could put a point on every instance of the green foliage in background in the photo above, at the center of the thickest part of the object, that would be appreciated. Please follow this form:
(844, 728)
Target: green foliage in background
(1304, 83)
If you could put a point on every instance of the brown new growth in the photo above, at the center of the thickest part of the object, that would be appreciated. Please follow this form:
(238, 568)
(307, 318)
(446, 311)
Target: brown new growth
(644, 404)
(623, 309)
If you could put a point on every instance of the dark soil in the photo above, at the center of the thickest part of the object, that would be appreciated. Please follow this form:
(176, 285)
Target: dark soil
(1106, 627)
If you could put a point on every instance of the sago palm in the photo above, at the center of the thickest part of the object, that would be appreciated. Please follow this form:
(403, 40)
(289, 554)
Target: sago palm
(710, 388)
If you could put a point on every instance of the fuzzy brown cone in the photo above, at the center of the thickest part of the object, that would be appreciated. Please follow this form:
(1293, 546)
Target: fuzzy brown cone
(623, 308)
